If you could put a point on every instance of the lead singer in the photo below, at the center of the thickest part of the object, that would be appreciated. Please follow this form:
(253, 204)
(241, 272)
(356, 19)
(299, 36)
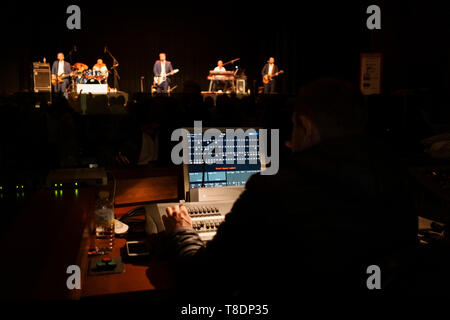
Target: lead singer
(161, 68)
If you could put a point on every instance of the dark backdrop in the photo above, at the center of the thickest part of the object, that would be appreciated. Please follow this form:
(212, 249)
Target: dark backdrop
(307, 39)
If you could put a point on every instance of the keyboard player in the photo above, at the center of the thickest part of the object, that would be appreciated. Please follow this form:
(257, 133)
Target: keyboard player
(220, 84)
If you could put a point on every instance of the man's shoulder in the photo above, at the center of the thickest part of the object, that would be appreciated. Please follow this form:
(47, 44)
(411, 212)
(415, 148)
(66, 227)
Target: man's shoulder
(284, 177)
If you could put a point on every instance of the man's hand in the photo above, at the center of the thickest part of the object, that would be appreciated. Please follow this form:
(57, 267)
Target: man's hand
(177, 216)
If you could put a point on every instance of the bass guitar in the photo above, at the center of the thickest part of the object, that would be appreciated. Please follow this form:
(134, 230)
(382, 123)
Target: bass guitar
(58, 79)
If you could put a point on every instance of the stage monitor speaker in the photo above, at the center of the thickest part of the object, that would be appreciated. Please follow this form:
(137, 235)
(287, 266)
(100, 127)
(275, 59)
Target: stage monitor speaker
(42, 77)
(240, 86)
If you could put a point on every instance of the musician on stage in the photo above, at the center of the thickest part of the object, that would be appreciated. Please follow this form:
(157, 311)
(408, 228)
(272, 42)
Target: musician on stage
(61, 71)
(270, 68)
(161, 68)
(102, 68)
(220, 84)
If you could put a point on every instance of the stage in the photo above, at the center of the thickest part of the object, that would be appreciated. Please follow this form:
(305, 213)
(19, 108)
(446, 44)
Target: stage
(112, 102)
(213, 95)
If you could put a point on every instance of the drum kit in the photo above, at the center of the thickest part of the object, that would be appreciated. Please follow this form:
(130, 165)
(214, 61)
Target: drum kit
(82, 74)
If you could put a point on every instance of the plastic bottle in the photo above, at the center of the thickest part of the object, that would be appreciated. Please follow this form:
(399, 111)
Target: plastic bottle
(104, 224)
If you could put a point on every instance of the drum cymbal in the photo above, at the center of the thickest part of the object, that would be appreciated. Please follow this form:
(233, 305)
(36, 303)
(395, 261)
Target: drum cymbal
(80, 66)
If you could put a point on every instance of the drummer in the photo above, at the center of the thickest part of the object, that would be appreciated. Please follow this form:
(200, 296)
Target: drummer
(101, 68)
(78, 71)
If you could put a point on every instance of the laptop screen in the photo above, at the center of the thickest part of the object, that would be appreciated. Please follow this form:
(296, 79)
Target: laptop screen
(239, 153)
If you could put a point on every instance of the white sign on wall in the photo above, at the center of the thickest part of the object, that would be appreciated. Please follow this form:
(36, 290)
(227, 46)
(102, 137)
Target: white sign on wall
(370, 77)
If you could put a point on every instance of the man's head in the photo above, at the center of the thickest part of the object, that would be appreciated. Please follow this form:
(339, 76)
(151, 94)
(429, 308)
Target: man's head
(60, 56)
(162, 56)
(326, 109)
(99, 61)
(220, 63)
(271, 60)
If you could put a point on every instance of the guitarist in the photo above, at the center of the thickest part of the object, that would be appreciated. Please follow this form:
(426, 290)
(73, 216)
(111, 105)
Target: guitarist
(161, 68)
(270, 68)
(61, 71)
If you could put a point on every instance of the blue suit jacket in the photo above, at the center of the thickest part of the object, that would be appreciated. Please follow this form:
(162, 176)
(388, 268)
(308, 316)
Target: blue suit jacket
(67, 68)
(157, 67)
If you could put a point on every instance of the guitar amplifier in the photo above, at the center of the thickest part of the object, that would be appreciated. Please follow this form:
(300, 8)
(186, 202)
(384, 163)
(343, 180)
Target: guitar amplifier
(42, 77)
(240, 86)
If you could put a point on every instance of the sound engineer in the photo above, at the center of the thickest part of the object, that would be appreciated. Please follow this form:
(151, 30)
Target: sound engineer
(337, 207)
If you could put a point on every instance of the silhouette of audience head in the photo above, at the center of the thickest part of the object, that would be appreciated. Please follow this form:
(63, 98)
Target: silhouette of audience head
(326, 109)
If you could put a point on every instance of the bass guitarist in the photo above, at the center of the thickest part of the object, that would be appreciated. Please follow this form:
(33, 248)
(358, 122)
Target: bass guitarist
(61, 71)
(270, 68)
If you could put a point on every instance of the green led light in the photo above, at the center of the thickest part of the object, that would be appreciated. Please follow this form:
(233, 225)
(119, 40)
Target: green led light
(1, 188)
(17, 187)
(22, 187)
(76, 192)
(56, 185)
(60, 184)
(76, 183)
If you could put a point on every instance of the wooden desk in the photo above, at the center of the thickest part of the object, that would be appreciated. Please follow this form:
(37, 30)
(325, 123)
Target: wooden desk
(51, 231)
(151, 275)
(43, 241)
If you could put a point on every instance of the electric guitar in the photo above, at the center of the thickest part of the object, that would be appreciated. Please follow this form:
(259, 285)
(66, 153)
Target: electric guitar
(268, 77)
(58, 79)
(160, 79)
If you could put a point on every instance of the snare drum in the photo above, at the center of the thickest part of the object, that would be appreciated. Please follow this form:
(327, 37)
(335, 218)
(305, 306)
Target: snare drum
(89, 74)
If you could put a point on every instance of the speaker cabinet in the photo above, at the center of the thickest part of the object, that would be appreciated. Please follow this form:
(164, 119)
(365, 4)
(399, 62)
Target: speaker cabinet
(41, 77)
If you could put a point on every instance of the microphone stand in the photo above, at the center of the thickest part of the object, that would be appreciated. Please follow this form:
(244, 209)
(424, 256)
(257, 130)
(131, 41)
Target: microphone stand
(114, 68)
(72, 85)
(234, 74)
(70, 56)
(231, 61)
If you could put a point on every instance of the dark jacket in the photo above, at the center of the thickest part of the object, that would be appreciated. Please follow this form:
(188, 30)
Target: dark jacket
(67, 68)
(313, 228)
(157, 67)
(265, 69)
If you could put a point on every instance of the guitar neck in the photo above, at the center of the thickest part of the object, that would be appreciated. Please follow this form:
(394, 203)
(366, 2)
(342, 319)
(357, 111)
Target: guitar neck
(278, 73)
